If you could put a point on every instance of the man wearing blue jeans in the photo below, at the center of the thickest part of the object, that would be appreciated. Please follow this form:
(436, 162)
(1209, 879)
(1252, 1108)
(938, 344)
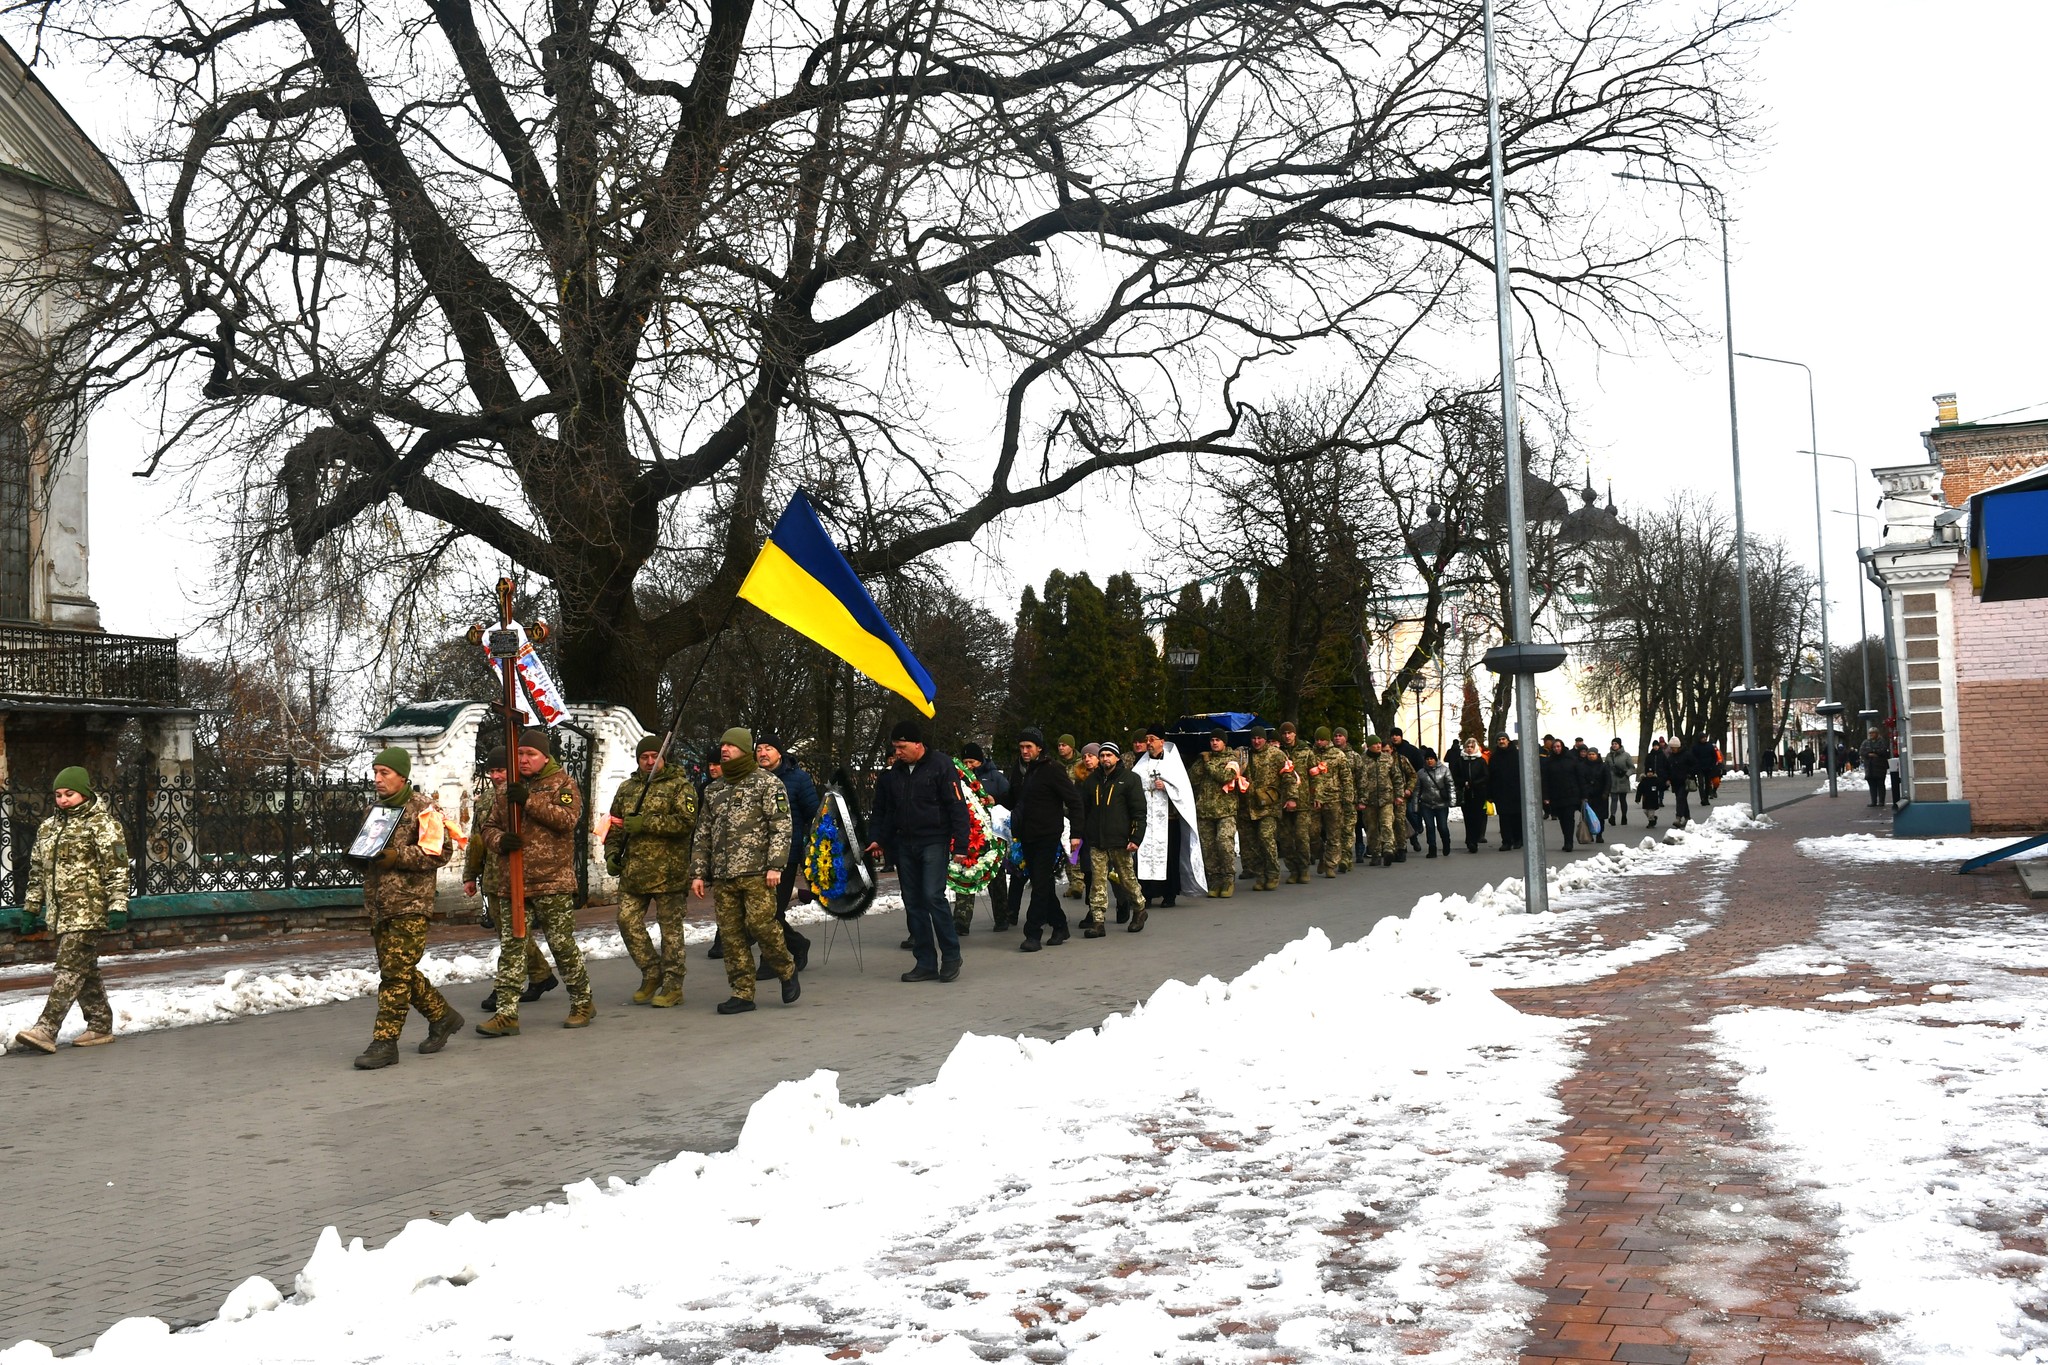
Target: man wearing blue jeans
(921, 820)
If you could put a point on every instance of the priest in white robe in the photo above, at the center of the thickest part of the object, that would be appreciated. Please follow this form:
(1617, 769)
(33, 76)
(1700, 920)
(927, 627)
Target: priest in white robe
(1170, 858)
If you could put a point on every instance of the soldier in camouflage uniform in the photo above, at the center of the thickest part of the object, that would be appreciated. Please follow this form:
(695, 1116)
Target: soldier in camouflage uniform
(1388, 780)
(1260, 807)
(741, 849)
(1297, 812)
(1216, 777)
(77, 884)
(551, 808)
(1332, 782)
(398, 893)
(1348, 802)
(483, 870)
(649, 852)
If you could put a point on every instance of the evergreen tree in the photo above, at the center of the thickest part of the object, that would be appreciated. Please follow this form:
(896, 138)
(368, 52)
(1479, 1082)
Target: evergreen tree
(1472, 715)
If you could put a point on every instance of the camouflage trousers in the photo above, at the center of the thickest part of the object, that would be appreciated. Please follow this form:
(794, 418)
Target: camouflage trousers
(537, 969)
(1258, 839)
(1077, 878)
(401, 942)
(1104, 863)
(668, 914)
(1297, 839)
(1219, 852)
(1381, 838)
(78, 980)
(1336, 835)
(553, 917)
(746, 913)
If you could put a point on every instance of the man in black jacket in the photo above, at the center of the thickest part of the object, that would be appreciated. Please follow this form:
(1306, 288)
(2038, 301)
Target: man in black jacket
(1403, 749)
(1562, 789)
(1042, 802)
(1113, 825)
(1677, 771)
(1469, 772)
(921, 820)
(1504, 781)
(1705, 761)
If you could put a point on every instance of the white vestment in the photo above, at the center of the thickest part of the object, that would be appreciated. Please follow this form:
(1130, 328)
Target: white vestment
(1178, 797)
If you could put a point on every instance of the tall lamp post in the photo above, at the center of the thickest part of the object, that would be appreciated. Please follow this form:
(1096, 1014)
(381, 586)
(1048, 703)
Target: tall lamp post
(1521, 656)
(1749, 695)
(1862, 621)
(1820, 557)
(1182, 661)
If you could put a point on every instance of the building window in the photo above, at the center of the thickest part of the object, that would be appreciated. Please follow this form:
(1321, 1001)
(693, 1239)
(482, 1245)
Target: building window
(15, 483)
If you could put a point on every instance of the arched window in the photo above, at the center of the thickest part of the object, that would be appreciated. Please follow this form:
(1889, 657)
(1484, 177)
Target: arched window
(15, 556)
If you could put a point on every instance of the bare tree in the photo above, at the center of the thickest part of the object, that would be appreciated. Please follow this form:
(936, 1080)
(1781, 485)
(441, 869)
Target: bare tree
(588, 282)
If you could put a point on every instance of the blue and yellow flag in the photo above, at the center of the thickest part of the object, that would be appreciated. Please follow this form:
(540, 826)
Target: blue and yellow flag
(802, 580)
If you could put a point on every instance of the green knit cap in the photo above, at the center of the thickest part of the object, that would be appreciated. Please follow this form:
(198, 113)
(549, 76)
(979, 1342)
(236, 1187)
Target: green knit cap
(394, 758)
(649, 744)
(739, 737)
(1323, 733)
(73, 779)
(1371, 740)
(1067, 740)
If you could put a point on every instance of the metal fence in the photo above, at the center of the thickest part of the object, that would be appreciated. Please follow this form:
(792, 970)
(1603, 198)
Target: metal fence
(283, 830)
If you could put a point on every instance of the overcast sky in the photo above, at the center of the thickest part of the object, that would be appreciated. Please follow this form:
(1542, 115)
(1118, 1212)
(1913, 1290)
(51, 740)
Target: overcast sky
(1887, 234)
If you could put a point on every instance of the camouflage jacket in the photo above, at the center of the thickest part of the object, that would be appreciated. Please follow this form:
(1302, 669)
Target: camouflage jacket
(1303, 757)
(1271, 782)
(1357, 757)
(481, 863)
(1327, 786)
(745, 828)
(1347, 776)
(78, 873)
(400, 880)
(1209, 772)
(656, 861)
(1387, 780)
(548, 828)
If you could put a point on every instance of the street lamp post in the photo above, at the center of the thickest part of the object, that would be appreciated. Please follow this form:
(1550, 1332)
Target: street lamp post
(1827, 649)
(1862, 622)
(1521, 656)
(1749, 692)
(1183, 661)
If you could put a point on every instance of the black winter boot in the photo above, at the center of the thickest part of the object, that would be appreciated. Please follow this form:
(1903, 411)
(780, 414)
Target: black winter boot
(382, 1052)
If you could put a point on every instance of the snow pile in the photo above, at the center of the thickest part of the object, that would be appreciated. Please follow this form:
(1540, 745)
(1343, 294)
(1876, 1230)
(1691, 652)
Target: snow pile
(1341, 1152)
(1875, 848)
(241, 992)
(1919, 1127)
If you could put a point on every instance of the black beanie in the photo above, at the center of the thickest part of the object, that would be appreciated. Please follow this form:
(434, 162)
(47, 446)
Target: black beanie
(908, 731)
(973, 751)
(771, 739)
(1031, 734)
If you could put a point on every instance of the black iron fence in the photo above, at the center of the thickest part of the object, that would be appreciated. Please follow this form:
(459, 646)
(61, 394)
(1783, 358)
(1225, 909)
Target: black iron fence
(282, 830)
(81, 665)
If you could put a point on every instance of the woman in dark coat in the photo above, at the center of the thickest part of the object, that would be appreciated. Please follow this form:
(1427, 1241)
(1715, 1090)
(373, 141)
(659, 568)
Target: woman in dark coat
(1562, 788)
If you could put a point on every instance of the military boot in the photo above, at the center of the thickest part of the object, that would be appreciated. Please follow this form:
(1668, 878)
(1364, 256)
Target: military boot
(1229, 890)
(499, 1026)
(536, 989)
(580, 1015)
(381, 1052)
(39, 1038)
(650, 983)
(439, 1031)
(668, 997)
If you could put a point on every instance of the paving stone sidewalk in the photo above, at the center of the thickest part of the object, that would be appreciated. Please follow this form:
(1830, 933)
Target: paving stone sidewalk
(1678, 1244)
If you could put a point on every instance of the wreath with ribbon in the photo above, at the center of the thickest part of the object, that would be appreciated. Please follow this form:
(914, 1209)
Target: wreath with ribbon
(985, 847)
(835, 865)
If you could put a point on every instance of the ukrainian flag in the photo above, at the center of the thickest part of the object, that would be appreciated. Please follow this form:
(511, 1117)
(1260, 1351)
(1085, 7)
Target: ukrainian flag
(802, 580)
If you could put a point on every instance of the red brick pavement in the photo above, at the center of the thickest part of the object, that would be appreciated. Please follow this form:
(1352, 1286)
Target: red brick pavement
(1678, 1245)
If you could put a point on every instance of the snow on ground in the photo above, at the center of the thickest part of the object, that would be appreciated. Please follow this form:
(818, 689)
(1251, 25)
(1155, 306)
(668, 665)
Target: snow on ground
(175, 999)
(1878, 848)
(1922, 1128)
(1341, 1153)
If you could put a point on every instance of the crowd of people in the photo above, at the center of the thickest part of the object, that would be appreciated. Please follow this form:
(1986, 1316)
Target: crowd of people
(1098, 822)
